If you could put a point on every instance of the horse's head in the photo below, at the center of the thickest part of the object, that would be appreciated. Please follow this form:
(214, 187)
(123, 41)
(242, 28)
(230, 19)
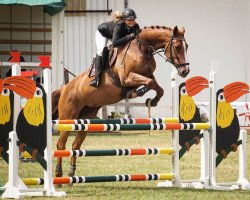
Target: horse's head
(176, 51)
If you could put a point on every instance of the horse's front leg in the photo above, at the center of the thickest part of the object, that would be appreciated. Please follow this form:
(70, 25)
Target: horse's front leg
(137, 80)
(159, 93)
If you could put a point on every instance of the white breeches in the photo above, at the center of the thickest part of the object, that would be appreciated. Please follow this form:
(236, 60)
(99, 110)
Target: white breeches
(101, 42)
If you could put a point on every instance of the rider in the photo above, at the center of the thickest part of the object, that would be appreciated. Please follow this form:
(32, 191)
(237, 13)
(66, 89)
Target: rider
(120, 30)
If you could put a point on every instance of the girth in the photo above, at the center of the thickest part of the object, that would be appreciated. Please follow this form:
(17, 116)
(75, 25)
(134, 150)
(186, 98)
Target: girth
(117, 82)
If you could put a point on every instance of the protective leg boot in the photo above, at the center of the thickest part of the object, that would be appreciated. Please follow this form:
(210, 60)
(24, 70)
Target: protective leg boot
(98, 68)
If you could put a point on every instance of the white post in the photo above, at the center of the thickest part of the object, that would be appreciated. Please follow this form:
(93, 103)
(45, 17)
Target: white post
(14, 183)
(244, 183)
(48, 178)
(16, 71)
(205, 159)
(206, 142)
(57, 49)
(104, 114)
(175, 134)
(126, 112)
(212, 135)
(175, 138)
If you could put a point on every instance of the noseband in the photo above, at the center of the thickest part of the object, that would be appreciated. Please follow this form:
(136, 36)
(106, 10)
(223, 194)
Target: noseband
(150, 51)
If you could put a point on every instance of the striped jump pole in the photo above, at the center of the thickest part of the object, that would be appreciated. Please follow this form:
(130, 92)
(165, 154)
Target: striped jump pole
(112, 152)
(94, 179)
(119, 121)
(130, 127)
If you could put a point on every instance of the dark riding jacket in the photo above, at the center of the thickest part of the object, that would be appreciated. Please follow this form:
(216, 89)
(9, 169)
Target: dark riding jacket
(118, 32)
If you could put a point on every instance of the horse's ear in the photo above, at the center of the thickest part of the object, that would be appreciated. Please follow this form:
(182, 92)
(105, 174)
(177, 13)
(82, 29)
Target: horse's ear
(182, 30)
(175, 31)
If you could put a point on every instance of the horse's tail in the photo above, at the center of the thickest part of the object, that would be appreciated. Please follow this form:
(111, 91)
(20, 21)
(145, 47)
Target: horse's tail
(55, 99)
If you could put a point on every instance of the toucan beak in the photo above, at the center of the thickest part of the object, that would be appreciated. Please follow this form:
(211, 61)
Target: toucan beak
(235, 90)
(195, 85)
(1, 85)
(21, 85)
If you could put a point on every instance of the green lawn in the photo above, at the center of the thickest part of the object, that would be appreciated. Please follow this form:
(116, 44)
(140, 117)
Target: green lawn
(189, 169)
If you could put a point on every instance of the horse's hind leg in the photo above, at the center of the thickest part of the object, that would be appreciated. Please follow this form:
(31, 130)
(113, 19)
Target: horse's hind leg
(61, 145)
(66, 112)
(80, 137)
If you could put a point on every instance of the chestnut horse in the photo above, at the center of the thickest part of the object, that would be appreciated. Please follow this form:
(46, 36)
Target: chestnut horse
(134, 67)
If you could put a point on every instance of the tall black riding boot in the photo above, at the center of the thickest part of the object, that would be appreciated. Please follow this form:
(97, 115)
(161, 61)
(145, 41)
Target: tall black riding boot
(98, 68)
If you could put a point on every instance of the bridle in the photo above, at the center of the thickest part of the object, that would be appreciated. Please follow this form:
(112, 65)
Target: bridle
(171, 49)
(150, 51)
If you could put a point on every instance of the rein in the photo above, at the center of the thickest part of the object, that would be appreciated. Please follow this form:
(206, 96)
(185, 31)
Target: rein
(123, 59)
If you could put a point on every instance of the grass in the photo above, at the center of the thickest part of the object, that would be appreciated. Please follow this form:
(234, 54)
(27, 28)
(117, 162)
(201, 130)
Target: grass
(189, 169)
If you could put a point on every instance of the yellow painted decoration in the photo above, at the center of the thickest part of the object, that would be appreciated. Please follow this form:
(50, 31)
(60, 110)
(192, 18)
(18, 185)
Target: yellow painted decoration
(34, 111)
(166, 151)
(166, 176)
(224, 114)
(26, 155)
(5, 110)
(187, 108)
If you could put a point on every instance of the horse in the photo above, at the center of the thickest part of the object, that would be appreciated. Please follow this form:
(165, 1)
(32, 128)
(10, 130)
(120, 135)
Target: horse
(130, 76)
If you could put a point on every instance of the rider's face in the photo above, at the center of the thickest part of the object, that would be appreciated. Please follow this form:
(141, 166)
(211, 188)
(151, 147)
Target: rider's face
(130, 22)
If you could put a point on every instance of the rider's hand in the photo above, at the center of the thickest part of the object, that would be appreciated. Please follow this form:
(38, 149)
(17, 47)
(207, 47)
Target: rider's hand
(132, 36)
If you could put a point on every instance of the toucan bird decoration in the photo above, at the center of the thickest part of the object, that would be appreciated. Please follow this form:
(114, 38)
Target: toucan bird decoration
(31, 123)
(188, 111)
(22, 86)
(227, 123)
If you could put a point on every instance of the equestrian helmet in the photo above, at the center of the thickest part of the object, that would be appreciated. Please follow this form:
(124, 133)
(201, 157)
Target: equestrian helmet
(128, 13)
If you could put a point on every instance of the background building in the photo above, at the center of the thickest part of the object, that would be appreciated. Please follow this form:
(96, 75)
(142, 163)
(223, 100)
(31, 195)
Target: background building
(216, 31)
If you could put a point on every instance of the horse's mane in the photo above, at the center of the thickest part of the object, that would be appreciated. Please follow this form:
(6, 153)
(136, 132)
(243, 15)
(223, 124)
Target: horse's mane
(157, 27)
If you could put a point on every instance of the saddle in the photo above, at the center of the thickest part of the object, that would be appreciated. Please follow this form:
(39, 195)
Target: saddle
(108, 59)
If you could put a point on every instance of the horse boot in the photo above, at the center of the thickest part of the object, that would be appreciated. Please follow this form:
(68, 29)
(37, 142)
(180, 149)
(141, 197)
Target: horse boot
(58, 173)
(98, 68)
(71, 172)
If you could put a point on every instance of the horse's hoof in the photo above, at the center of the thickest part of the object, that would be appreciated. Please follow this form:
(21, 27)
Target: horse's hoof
(58, 171)
(148, 102)
(70, 184)
(72, 169)
(151, 103)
